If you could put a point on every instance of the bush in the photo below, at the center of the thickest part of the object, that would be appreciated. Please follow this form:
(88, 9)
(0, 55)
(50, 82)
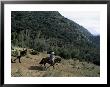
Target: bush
(34, 52)
(65, 53)
(39, 46)
(75, 53)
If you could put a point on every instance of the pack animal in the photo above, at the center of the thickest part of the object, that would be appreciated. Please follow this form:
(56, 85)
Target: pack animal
(22, 53)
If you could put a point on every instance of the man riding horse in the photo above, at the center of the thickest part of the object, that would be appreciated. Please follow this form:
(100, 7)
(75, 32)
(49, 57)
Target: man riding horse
(52, 57)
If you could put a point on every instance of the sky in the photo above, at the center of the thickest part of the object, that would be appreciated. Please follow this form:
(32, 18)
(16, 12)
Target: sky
(89, 20)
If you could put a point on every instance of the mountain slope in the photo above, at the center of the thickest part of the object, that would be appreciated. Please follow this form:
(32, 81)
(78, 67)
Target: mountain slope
(29, 67)
(49, 30)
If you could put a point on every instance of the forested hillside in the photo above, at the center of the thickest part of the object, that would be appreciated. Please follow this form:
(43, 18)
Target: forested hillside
(49, 30)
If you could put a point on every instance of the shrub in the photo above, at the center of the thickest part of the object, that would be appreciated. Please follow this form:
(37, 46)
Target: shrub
(34, 52)
(65, 53)
(39, 46)
(75, 53)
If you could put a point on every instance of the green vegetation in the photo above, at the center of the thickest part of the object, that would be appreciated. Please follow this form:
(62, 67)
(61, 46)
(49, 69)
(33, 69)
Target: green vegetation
(49, 30)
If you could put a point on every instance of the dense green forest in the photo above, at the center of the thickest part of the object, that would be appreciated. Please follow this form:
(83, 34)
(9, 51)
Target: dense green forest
(49, 30)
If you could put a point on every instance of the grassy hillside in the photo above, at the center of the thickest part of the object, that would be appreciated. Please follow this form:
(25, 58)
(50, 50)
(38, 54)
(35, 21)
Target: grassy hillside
(29, 67)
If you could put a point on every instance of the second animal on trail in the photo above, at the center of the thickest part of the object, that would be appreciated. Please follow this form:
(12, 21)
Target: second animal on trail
(20, 54)
(23, 53)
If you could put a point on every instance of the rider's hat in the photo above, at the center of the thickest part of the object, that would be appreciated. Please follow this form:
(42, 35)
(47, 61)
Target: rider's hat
(52, 53)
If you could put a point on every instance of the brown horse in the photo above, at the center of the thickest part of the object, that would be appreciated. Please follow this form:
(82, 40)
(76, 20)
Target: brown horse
(46, 60)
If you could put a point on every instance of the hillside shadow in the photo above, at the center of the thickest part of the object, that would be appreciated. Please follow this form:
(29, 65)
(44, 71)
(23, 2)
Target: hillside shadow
(40, 68)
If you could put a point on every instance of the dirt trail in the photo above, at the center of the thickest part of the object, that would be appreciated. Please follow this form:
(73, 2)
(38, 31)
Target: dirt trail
(29, 67)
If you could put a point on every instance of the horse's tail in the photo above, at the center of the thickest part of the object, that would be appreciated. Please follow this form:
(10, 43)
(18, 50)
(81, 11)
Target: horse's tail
(41, 62)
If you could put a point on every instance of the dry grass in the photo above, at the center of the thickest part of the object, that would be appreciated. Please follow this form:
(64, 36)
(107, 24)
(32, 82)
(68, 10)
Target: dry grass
(29, 67)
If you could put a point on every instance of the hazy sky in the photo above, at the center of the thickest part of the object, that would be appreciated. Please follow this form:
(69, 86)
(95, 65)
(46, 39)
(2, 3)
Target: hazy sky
(89, 20)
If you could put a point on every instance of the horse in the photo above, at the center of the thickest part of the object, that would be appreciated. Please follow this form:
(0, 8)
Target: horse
(22, 53)
(46, 60)
(19, 58)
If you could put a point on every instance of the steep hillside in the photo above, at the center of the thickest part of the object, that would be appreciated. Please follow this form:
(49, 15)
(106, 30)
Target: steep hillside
(49, 30)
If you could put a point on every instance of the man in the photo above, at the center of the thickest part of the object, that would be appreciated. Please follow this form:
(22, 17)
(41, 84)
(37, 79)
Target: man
(52, 57)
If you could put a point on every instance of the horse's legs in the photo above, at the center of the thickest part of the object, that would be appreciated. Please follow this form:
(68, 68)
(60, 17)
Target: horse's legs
(40, 64)
(15, 59)
(53, 63)
(53, 67)
(19, 59)
(45, 66)
(12, 61)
